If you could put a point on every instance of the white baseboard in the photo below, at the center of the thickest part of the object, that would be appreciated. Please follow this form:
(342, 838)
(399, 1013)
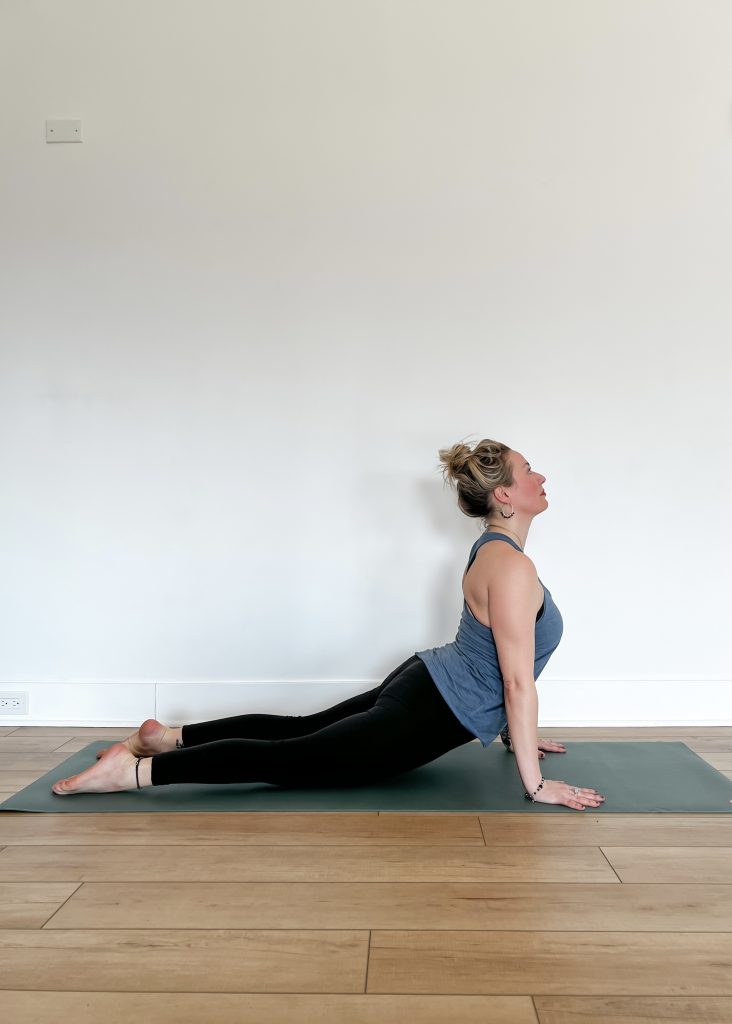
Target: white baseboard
(562, 702)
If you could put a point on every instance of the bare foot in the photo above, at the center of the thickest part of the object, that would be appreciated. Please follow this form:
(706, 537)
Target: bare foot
(113, 773)
(151, 738)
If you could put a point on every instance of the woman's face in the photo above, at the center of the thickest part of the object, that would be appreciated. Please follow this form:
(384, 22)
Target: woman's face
(527, 493)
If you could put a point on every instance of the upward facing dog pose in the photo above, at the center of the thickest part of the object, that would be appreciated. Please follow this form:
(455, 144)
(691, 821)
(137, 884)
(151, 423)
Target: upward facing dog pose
(438, 699)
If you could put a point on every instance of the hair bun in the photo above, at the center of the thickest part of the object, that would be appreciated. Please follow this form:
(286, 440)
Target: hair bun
(476, 472)
(455, 460)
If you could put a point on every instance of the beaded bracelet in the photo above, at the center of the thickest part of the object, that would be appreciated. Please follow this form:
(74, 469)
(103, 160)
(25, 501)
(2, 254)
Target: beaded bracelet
(530, 796)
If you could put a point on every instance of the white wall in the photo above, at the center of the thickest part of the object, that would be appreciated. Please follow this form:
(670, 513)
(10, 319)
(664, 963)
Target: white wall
(302, 246)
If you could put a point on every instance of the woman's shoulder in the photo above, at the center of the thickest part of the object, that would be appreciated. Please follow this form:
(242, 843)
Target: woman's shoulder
(501, 552)
(493, 561)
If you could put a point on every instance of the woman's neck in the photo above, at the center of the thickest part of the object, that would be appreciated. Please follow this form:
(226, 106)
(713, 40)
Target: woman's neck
(517, 533)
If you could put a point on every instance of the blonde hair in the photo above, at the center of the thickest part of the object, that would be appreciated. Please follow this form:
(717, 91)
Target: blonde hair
(476, 473)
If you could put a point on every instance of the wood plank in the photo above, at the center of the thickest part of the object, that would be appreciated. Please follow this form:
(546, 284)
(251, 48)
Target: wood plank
(89, 733)
(306, 864)
(415, 905)
(552, 963)
(671, 864)
(627, 1010)
(14, 781)
(702, 746)
(30, 761)
(17, 744)
(195, 960)
(720, 761)
(710, 746)
(6, 730)
(245, 829)
(385, 828)
(577, 828)
(230, 1008)
(31, 904)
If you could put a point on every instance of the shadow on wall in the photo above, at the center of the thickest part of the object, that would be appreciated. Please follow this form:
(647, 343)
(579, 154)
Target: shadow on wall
(455, 534)
(414, 538)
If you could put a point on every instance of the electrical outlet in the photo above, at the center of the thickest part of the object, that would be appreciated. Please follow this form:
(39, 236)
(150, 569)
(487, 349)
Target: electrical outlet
(13, 704)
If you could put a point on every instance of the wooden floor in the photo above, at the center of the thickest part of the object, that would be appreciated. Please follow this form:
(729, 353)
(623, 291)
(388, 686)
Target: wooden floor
(574, 917)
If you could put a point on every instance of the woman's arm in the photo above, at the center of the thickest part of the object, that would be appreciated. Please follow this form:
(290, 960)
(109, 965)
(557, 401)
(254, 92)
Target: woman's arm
(511, 605)
(522, 710)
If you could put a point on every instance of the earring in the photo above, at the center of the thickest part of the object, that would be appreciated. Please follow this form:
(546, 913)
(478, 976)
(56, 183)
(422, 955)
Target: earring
(512, 511)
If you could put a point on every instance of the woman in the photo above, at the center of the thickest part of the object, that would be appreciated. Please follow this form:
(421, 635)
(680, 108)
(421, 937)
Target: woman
(437, 700)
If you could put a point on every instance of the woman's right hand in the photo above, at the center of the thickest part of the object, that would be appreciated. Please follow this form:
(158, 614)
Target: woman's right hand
(561, 792)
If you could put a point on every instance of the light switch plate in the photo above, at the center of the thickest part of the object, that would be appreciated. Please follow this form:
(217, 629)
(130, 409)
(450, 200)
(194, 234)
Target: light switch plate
(63, 131)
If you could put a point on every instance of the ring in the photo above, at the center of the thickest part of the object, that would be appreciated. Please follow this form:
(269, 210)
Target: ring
(575, 790)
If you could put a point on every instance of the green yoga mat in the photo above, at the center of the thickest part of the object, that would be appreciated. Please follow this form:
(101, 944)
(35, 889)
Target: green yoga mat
(635, 778)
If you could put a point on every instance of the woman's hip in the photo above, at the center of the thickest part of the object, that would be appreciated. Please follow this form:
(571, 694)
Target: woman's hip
(412, 687)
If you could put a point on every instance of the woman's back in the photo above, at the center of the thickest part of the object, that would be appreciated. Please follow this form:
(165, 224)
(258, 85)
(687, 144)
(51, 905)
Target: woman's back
(467, 671)
(488, 564)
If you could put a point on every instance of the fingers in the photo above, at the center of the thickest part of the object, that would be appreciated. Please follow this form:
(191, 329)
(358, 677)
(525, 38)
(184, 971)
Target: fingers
(593, 801)
(587, 797)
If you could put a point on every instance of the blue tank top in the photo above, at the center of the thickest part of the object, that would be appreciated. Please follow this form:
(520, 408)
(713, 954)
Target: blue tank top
(467, 672)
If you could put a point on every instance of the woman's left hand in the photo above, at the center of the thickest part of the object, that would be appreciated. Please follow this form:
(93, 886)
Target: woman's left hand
(551, 745)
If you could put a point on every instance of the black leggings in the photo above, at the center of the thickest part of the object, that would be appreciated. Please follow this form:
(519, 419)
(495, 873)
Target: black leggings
(394, 728)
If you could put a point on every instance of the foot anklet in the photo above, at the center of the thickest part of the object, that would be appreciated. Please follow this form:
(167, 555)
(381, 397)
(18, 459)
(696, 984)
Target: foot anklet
(137, 772)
